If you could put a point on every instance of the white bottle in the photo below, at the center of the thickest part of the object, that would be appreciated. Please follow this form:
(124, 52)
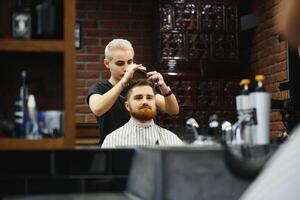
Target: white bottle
(261, 103)
(32, 126)
(243, 106)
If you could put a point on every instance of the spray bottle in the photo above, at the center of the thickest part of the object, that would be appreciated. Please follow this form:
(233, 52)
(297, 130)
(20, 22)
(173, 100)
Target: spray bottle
(261, 103)
(243, 106)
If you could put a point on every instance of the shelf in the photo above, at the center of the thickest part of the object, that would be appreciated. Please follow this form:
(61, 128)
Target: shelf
(33, 45)
(25, 144)
(55, 58)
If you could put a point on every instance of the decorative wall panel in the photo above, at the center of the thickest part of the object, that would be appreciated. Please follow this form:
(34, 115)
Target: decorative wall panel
(199, 46)
(197, 30)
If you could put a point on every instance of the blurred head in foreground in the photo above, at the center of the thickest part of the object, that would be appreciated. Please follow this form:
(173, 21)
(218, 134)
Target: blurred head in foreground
(287, 17)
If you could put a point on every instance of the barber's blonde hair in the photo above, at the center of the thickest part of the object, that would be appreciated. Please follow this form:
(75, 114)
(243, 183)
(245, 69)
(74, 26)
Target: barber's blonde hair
(118, 44)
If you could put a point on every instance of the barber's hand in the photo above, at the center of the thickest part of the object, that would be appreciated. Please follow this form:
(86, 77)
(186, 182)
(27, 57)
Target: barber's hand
(157, 78)
(130, 71)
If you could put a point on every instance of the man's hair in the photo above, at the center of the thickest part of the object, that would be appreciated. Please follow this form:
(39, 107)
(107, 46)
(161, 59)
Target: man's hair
(137, 83)
(117, 44)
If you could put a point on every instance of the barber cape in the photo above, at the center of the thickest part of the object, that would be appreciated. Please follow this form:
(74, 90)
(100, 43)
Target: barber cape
(135, 133)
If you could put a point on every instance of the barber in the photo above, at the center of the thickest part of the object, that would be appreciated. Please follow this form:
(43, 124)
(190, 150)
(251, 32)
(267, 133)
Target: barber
(106, 99)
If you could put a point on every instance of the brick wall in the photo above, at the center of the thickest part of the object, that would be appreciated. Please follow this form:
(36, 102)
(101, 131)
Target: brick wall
(269, 56)
(102, 21)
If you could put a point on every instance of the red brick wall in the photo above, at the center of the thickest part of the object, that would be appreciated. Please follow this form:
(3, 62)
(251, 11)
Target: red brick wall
(269, 56)
(102, 21)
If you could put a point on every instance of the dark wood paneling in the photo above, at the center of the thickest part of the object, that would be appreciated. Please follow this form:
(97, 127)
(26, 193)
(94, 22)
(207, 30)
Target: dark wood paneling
(199, 57)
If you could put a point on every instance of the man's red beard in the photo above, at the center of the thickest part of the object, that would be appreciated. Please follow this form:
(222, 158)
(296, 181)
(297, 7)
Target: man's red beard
(144, 113)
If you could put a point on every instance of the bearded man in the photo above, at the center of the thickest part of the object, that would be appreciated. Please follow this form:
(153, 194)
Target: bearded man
(140, 130)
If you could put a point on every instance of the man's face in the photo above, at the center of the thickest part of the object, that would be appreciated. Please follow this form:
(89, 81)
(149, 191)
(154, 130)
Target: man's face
(119, 63)
(141, 103)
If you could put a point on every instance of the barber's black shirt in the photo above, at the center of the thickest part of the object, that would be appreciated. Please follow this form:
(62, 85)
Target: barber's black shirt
(115, 117)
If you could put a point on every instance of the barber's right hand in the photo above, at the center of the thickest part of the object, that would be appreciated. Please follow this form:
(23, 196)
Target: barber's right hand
(130, 71)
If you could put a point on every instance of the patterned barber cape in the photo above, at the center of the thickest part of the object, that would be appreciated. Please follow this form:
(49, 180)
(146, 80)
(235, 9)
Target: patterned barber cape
(135, 133)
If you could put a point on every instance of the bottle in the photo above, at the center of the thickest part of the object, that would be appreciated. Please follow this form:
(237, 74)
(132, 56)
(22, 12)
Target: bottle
(214, 127)
(243, 106)
(245, 86)
(19, 129)
(46, 20)
(261, 103)
(259, 79)
(21, 116)
(242, 100)
(32, 129)
(21, 20)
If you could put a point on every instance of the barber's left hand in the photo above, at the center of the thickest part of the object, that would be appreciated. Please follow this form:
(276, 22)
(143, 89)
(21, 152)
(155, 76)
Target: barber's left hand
(157, 78)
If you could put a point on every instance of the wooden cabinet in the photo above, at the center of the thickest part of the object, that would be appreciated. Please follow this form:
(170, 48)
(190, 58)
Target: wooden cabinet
(50, 65)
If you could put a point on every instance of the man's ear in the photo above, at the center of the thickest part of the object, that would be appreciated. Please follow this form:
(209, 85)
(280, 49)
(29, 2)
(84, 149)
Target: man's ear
(106, 63)
(126, 105)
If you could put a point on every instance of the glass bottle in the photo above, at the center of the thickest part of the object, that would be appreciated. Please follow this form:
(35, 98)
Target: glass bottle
(46, 19)
(21, 20)
(21, 116)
